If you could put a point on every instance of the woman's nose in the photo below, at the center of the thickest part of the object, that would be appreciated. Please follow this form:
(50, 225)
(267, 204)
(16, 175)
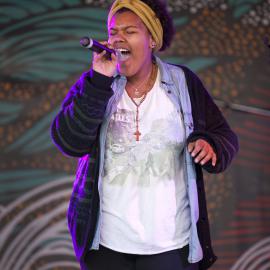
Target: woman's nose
(116, 38)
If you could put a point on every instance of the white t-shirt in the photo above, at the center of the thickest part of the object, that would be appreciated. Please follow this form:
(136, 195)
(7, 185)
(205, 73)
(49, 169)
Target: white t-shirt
(145, 206)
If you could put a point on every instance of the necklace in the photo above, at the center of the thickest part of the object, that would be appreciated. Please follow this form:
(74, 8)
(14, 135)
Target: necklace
(136, 88)
(137, 92)
(137, 133)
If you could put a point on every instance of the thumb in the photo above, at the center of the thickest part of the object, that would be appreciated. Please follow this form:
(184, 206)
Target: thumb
(191, 146)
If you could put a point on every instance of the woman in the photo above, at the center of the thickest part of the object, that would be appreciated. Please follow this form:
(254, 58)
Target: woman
(143, 130)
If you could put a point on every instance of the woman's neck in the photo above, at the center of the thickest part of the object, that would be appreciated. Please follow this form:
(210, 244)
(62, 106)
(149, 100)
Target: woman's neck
(137, 86)
(141, 75)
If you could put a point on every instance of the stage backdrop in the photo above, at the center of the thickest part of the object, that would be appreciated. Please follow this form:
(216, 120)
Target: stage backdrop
(223, 41)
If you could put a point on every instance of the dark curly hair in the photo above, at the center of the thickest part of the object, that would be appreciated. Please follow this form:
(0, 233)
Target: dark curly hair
(160, 9)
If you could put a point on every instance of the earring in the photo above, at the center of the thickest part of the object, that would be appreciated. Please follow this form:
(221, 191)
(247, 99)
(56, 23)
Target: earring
(153, 45)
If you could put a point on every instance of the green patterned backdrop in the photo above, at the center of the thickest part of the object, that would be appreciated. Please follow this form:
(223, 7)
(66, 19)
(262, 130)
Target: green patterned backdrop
(224, 42)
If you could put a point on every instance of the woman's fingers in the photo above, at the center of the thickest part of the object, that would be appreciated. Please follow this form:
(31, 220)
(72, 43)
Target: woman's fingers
(104, 64)
(202, 151)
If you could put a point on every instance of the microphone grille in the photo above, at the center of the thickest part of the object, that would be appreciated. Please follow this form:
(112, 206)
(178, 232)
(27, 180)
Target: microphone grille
(85, 41)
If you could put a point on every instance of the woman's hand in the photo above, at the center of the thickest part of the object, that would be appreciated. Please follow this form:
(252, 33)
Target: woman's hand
(102, 64)
(202, 151)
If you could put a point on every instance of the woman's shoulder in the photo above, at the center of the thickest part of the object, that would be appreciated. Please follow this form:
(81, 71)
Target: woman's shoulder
(182, 70)
(179, 68)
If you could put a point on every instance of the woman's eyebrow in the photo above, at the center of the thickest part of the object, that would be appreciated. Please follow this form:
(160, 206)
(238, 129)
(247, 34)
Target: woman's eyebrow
(123, 27)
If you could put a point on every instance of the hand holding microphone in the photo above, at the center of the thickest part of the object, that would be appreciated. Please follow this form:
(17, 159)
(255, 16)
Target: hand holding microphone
(104, 58)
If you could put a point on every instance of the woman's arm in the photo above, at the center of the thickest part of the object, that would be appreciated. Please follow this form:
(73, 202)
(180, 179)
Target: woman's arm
(75, 127)
(211, 126)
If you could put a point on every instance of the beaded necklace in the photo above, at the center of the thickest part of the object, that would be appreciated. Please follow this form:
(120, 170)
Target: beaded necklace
(149, 83)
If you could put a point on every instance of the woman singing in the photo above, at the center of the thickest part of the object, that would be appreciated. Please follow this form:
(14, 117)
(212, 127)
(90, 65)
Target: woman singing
(143, 130)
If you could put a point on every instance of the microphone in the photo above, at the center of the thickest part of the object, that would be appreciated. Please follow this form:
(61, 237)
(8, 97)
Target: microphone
(95, 46)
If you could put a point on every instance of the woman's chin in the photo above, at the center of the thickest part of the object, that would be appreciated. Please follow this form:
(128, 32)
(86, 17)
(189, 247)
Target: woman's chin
(124, 70)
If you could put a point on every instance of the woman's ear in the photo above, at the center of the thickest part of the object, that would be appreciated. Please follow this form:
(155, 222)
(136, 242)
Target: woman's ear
(152, 44)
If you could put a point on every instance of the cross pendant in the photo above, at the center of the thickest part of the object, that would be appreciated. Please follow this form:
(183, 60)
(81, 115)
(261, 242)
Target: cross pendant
(137, 134)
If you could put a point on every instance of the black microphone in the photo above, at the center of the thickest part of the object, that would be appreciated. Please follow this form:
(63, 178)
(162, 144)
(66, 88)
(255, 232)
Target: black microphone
(95, 46)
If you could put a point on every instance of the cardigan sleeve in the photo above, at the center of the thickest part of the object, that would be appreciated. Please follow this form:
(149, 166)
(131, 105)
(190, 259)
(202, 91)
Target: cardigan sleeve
(210, 125)
(75, 127)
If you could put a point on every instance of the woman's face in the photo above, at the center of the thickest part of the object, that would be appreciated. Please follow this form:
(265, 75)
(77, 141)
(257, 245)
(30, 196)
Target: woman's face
(128, 34)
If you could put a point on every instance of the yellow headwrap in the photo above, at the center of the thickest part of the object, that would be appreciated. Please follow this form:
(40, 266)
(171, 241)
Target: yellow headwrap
(146, 14)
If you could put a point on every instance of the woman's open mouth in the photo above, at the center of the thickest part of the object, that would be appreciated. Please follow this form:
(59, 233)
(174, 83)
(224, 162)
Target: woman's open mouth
(122, 54)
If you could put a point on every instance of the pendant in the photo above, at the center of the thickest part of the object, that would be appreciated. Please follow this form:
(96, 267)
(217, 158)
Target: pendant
(137, 92)
(137, 134)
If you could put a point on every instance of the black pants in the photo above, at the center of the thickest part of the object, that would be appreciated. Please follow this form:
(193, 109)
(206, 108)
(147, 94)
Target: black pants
(107, 259)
